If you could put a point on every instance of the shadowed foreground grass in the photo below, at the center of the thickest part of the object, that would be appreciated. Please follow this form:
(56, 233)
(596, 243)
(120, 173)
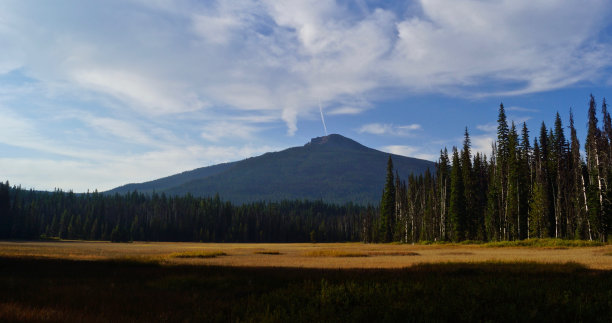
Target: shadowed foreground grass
(34, 289)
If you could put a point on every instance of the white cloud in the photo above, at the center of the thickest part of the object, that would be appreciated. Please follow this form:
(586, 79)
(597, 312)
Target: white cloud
(489, 127)
(482, 144)
(140, 91)
(389, 129)
(103, 174)
(94, 164)
(219, 130)
(286, 56)
(345, 110)
(235, 65)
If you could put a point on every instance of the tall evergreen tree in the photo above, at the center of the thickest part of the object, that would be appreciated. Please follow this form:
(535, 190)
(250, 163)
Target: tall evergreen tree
(480, 188)
(443, 177)
(595, 170)
(525, 181)
(387, 205)
(468, 187)
(457, 200)
(538, 214)
(577, 220)
(502, 157)
(559, 169)
(5, 206)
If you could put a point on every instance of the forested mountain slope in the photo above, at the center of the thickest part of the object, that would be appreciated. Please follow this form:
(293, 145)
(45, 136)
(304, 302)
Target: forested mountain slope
(331, 168)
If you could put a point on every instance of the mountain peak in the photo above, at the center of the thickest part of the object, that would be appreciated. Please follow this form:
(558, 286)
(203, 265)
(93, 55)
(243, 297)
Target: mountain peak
(332, 168)
(334, 140)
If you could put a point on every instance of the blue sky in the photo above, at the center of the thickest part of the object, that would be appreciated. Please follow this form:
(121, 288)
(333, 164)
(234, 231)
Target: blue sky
(96, 94)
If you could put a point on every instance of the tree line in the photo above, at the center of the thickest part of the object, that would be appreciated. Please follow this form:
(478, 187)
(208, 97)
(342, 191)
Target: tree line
(29, 214)
(525, 189)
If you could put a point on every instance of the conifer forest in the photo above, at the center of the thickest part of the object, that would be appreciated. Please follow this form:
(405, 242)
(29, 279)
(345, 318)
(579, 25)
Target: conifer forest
(526, 188)
(549, 185)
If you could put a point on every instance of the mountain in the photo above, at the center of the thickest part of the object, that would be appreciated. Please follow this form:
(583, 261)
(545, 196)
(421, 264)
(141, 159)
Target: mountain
(332, 168)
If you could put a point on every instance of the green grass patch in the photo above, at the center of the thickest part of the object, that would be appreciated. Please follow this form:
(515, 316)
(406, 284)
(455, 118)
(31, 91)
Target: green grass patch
(545, 243)
(198, 254)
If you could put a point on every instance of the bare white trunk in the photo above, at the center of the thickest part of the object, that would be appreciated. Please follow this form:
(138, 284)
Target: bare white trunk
(586, 207)
(518, 209)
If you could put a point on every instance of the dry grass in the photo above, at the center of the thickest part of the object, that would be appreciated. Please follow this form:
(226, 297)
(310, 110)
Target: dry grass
(334, 253)
(394, 253)
(305, 255)
(457, 253)
(545, 243)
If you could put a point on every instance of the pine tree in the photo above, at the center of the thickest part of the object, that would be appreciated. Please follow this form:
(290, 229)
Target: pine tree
(538, 214)
(443, 177)
(577, 221)
(525, 182)
(493, 213)
(5, 206)
(387, 205)
(594, 168)
(457, 200)
(559, 169)
(468, 187)
(480, 177)
(502, 157)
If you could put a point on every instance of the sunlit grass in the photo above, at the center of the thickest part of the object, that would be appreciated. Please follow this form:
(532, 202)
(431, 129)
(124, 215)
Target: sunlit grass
(545, 243)
(344, 253)
(393, 253)
(334, 253)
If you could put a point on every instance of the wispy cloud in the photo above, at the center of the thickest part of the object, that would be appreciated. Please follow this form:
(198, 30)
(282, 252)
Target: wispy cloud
(489, 127)
(168, 86)
(286, 56)
(219, 130)
(346, 110)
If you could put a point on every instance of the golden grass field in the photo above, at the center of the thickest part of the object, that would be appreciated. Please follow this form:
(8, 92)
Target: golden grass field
(305, 255)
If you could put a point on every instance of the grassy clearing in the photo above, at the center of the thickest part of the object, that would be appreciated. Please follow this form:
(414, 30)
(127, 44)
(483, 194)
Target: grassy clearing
(198, 254)
(98, 291)
(334, 253)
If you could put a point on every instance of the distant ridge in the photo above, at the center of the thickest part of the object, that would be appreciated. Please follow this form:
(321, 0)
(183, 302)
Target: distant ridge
(332, 168)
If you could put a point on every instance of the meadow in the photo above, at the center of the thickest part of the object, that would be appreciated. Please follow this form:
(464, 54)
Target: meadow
(318, 255)
(143, 282)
